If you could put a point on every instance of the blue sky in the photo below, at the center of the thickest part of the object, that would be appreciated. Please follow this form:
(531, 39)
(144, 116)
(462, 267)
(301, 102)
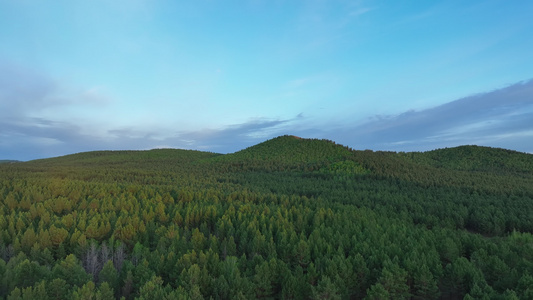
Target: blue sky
(223, 75)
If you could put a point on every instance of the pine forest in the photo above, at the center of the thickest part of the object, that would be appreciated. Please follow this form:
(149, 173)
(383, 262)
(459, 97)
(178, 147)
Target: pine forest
(289, 218)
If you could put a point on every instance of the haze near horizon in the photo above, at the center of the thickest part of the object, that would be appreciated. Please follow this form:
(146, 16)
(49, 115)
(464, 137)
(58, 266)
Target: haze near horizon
(77, 76)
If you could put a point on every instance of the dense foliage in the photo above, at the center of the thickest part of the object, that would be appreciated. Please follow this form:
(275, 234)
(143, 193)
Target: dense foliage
(289, 218)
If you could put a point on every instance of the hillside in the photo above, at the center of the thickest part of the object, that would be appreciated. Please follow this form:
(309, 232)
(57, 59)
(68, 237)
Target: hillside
(475, 158)
(137, 158)
(286, 153)
(288, 218)
(291, 149)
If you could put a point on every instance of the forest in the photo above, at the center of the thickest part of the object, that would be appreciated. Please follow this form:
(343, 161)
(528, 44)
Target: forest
(289, 218)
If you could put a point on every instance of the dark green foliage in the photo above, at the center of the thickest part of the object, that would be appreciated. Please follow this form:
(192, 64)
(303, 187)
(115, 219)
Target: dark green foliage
(26, 274)
(58, 288)
(70, 271)
(109, 275)
(289, 218)
(475, 158)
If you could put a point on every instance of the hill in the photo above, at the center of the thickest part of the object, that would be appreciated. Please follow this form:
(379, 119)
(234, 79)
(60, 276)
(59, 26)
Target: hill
(287, 218)
(127, 157)
(291, 149)
(292, 153)
(476, 158)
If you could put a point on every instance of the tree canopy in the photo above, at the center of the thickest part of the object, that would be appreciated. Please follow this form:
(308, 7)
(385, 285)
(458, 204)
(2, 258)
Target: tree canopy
(288, 218)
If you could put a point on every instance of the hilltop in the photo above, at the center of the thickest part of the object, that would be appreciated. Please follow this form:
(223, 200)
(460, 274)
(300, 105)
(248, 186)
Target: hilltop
(288, 153)
(287, 218)
(290, 149)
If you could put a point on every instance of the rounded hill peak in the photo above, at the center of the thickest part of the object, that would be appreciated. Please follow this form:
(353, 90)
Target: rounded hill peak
(292, 149)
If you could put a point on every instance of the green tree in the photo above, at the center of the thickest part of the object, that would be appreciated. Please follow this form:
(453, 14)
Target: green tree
(36, 292)
(105, 292)
(15, 294)
(109, 275)
(58, 289)
(28, 273)
(394, 280)
(326, 289)
(142, 273)
(86, 292)
(525, 286)
(70, 270)
(377, 292)
(264, 280)
(152, 289)
(425, 286)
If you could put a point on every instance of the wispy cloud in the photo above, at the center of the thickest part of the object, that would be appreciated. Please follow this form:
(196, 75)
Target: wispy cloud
(501, 118)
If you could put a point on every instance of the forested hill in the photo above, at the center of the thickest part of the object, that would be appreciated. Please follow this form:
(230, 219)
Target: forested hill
(290, 149)
(288, 153)
(289, 218)
(476, 158)
(127, 158)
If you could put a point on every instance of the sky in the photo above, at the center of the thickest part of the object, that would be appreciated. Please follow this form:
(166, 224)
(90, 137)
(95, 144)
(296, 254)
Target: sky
(221, 76)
